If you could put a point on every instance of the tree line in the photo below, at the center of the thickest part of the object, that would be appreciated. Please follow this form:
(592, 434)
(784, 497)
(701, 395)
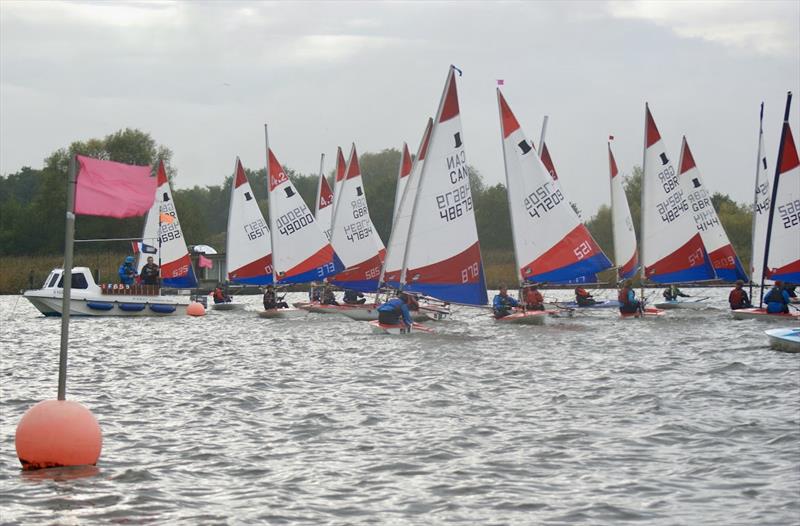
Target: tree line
(32, 202)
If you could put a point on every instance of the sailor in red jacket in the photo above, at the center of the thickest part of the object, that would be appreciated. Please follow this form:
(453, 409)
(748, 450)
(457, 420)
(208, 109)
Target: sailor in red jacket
(738, 297)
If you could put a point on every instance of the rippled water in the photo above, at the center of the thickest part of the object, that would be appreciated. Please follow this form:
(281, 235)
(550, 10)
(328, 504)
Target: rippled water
(235, 419)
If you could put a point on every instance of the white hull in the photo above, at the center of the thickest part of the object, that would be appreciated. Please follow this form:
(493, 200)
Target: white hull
(110, 305)
(787, 340)
(283, 313)
(228, 306)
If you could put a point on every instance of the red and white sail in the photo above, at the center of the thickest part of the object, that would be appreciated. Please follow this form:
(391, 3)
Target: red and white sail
(443, 255)
(784, 235)
(300, 251)
(672, 249)
(396, 247)
(625, 254)
(162, 232)
(723, 258)
(402, 178)
(550, 242)
(547, 160)
(762, 197)
(248, 248)
(323, 208)
(353, 235)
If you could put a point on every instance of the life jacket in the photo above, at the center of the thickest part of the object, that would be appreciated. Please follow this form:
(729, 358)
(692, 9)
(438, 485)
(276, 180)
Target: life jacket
(774, 296)
(737, 297)
(581, 292)
(219, 295)
(533, 297)
(622, 297)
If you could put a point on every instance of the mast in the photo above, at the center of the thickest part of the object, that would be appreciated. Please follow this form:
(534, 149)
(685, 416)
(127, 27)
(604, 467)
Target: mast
(319, 182)
(774, 195)
(271, 210)
(69, 236)
(541, 137)
(755, 199)
(521, 279)
(613, 229)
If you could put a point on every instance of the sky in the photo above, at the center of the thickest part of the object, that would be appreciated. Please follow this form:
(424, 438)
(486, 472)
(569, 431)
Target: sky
(204, 77)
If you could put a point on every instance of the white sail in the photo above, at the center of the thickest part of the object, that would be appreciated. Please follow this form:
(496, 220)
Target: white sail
(723, 258)
(402, 178)
(402, 217)
(162, 232)
(248, 248)
(671, 248)
(323, 209)
(625, 254)
(762, 196)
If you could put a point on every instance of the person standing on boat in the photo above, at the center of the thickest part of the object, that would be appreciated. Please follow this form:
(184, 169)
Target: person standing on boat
(353, 297)
(150, 272)
(583, 298)
(503, 303)
(395, 310)
(533, 298)
(628, 304)
(127, 271)
(777, 299)
(271, 301)
(672, 293)
(738, 298)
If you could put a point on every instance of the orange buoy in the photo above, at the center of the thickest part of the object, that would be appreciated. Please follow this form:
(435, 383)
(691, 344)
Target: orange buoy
(196, 309)
(57, 433)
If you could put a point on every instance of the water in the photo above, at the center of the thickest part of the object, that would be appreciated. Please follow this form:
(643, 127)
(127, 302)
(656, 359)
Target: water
(233, 419)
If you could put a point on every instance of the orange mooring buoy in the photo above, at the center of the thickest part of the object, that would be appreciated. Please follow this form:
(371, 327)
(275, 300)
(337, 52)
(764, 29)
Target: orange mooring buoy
(56, 433)
(196, 309)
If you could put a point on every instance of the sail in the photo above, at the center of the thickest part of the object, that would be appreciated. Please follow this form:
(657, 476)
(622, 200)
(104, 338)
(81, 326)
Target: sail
(300, 251)
(353, 235)
(550, 242)
(341, 170)
(323, 212)
(402, 218)
(784, 235)
(723, 258)
(672, 249)
(248, 249)
(625, 253)
(402, 179)
(443, 255)
(162, 230)
(762, 198)
(547, 160)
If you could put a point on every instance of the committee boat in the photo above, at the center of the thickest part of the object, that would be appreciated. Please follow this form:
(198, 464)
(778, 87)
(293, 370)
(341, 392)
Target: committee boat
(88, 298)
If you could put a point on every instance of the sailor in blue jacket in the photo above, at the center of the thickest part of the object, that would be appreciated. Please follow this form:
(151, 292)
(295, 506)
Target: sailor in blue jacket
(777, 299)
(503, 303)
(127, 272)
(391, 312)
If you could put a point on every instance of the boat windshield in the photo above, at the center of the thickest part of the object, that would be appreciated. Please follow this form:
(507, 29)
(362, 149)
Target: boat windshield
(50, 282)
(78, 281)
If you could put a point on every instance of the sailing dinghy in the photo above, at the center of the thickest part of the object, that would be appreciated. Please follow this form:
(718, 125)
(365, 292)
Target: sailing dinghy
(787, 340)
(782, 246)
(248, 250)
(672, 248)
(550, 242)
(300, 251)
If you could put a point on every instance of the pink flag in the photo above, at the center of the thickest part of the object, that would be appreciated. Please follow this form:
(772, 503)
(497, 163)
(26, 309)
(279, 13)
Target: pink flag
(109, 189)
(500, 82)
(204, 262)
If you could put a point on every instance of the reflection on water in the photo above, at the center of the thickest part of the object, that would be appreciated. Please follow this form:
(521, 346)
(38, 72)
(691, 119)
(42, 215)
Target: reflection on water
(231, 418)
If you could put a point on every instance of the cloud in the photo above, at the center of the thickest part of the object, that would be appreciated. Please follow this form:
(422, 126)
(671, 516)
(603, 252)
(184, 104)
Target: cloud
(767, 28)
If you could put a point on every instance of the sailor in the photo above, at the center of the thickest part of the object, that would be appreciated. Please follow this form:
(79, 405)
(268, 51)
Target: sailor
(353, 297)
(127, 272)
(503, 303)
(328, 297)
(583, 298)
(672, 293)
(315, 293)
(738, 298)
(220, 296)
(271, 301)
(533, 298)
(150, 272)
(777, 299)
(628, 304)
(395, 310)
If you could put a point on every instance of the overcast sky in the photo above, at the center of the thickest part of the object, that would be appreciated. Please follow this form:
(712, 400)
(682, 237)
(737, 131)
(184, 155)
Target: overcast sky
(203, 77)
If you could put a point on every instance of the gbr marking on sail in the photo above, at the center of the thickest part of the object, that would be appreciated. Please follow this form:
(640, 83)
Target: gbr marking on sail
(454, 203)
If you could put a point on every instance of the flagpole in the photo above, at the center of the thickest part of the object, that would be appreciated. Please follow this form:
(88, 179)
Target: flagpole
(765, 268)
(755, 200)
(69, 236)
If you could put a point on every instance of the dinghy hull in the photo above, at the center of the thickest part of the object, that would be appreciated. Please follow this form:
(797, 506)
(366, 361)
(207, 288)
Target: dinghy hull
(786, 340)
(762, 314)
(398, 329)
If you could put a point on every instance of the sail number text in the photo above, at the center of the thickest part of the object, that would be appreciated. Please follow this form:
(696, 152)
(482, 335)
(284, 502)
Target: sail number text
(455, 203)
(294, 220)
(790, 213)
(255, 230)
(543, 199)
